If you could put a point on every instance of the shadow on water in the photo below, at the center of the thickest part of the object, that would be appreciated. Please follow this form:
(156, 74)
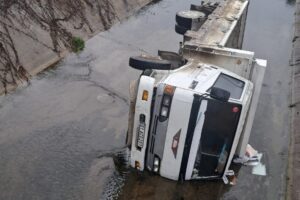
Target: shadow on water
(127, 183)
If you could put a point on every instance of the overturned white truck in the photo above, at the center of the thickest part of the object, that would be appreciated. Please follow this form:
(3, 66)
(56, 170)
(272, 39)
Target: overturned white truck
(191, 112)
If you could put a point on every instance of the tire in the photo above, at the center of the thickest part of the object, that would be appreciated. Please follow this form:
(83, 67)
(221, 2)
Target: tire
(187, 18)
(180, 30)
(143, 63)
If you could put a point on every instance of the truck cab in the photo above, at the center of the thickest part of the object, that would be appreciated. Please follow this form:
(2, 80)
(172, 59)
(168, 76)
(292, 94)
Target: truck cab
(188, 123)
(192, 112)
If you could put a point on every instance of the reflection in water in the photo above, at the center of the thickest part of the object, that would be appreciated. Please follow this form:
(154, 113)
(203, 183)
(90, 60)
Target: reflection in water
(116, 182)
(291, 2)
(127, 183)
(147, 186)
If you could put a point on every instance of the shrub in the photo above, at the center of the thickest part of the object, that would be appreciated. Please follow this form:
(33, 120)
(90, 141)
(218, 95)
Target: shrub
(78, 44)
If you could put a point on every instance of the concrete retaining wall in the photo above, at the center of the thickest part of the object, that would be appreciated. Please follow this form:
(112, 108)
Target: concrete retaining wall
(35, 57)
(36, 54)
(293, 190)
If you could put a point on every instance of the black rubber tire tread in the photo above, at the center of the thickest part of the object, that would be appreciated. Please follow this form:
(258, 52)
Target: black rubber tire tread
(184, 21)
(143, 63)
(180, 30)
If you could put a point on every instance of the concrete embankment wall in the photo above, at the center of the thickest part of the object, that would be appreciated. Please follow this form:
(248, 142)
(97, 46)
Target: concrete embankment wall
(34, 44)
(38, 57)
(293, 190)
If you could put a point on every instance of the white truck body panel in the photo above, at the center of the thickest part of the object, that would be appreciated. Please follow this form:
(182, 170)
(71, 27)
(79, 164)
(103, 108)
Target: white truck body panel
(171, 165)
(259, 68)
(234, 60)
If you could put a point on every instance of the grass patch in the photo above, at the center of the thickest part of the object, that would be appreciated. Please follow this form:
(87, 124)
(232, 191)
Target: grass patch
(78, 44)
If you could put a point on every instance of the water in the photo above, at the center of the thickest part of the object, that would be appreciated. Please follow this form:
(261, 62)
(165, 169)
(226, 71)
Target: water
(60, 137)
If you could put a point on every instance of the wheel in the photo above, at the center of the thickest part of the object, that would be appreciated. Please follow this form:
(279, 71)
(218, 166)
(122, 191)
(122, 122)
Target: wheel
(143, 63)
(187, 18)
(180, 30)
(207, 9)
(168, 55)
(196, 7)
(175, 59)
(147, 72)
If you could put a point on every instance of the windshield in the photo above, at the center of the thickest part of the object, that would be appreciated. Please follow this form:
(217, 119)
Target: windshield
(232, 85)
(218, 132)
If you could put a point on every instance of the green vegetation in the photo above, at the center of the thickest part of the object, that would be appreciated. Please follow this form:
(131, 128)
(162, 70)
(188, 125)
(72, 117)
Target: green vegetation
(78, 44)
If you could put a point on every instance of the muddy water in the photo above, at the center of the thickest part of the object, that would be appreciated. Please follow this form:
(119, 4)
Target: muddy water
(62, 137)
(268, 34)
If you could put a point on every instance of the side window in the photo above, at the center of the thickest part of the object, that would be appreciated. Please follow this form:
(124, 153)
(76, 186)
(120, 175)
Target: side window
(232, 85)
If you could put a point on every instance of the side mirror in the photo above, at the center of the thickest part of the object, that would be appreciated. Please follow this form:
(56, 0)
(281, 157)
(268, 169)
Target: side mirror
(219, 94)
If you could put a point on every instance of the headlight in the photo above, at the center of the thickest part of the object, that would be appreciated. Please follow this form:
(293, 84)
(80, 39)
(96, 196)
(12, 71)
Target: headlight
(155, 169)
(156, 164)
(164, 111)
(166, 100)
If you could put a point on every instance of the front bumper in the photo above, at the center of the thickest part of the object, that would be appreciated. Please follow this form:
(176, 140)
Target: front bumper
(141, 122)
